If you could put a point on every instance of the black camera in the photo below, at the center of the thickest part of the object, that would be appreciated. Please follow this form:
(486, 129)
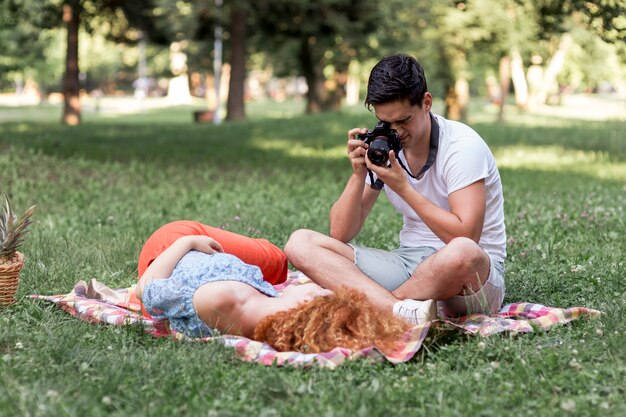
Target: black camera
(381, 140)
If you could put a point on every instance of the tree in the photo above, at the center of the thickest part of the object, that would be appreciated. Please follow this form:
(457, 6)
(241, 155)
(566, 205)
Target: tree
(556, 21)
(325, 35)
(72, 11)
(607, 18)
(194, 22)
(24, 39)
(71, 84)
(35, 15)
(466, 39)
(475, 38)
(235, 107)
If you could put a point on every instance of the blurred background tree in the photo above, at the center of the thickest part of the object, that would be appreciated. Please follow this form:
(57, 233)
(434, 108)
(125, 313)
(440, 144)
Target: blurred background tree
(536, 49)
(29, 45)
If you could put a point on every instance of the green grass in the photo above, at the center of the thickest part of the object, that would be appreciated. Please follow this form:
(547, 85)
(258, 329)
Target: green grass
(103, 187)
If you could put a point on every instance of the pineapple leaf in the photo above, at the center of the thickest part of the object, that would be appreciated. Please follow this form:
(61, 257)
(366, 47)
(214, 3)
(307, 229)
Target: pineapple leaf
(13, 229)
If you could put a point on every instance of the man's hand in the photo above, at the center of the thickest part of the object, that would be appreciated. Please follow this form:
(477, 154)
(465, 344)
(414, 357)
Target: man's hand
(357, 151)
(393, 176)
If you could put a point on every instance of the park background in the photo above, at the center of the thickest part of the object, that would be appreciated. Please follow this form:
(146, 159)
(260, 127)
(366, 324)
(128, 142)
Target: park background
(117, 117)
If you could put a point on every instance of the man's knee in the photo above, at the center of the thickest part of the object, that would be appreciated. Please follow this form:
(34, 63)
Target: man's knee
(465, 256)
(299, 242)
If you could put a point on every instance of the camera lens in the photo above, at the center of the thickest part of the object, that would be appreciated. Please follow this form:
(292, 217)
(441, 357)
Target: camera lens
(378, 151)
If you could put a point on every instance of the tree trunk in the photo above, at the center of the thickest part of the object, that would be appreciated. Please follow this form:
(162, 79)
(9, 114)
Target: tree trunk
(549, 85)
(519, 80)
(353, 87)
(452, 105)
(534, 78)
(505, 83)
(353, 83)
(178, 91)
(461, 86)
(71, 86)
(337, 90)
(457, 99)
(317, 96)
(235, 107)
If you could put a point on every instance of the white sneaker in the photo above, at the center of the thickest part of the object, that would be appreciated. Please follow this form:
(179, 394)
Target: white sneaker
(414, 311)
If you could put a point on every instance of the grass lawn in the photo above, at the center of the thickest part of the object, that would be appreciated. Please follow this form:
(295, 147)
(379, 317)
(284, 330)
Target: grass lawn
(104, 186)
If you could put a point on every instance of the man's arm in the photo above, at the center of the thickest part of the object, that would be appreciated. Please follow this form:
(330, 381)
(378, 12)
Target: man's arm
(467, 205)
(466, 215)
(349, 212)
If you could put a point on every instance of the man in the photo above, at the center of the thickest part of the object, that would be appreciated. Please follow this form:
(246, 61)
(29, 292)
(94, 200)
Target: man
(444, 182)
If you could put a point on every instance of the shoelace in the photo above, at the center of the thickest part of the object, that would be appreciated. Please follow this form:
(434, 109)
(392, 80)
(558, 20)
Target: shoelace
(412, 313)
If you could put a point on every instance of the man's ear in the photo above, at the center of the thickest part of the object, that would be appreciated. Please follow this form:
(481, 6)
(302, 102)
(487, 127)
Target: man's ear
(427, 104)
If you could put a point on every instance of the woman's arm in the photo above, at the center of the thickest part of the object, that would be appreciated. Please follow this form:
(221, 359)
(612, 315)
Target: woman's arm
(164, 264)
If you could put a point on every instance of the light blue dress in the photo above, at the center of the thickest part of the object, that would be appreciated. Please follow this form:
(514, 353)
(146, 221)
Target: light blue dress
(171, 298)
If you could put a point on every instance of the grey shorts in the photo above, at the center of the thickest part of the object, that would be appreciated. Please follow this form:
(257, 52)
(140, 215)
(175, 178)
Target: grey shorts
(391, 269)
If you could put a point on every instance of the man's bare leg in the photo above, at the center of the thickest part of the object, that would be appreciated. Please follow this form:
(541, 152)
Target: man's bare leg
(330, 263)
(460, 265)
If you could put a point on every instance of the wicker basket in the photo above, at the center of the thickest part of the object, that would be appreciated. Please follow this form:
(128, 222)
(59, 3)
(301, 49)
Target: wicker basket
(9, 278)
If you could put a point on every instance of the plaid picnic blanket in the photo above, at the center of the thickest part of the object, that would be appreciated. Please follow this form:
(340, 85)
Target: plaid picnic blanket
(94, 302)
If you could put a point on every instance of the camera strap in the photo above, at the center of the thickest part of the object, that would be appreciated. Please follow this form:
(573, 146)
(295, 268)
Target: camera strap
(432, 155)
(376, 185)
(432, 150)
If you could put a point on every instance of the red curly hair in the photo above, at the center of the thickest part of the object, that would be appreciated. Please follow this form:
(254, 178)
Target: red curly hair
(343, 319)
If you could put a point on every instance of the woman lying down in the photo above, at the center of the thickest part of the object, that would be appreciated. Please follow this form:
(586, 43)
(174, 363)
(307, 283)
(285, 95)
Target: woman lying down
(205, 280)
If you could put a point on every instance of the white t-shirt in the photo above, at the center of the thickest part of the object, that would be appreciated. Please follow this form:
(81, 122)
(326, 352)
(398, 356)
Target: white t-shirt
(462, 159)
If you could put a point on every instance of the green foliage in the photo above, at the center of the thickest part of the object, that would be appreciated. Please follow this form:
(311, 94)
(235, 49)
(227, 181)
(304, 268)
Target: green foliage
(103, 187)
(324, 37)
(591, 62)
(24, 38)
(30, 29)
(607, 18)
(321, 40)
(192, 23)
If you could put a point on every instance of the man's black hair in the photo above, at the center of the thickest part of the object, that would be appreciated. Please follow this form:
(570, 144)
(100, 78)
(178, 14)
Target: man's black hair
(396, 77)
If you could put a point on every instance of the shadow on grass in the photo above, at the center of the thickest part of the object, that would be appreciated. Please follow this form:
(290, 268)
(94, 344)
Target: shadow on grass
(243, 140)
(306, 146)
(260, 144)
(586, 136)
